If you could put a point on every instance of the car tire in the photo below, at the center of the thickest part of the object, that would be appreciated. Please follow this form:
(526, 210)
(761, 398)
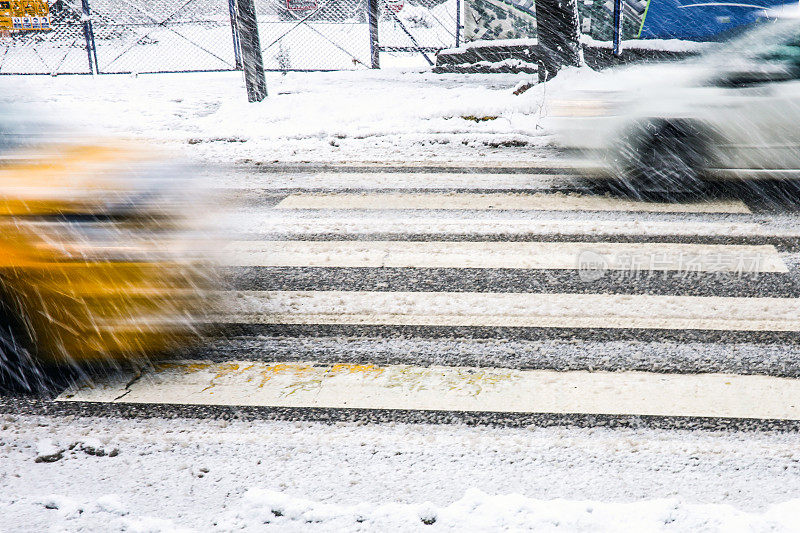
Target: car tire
(20, 368)
(662, 160)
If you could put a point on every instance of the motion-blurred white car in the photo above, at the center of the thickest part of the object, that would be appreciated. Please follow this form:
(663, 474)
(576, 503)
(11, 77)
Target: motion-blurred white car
(732, 113)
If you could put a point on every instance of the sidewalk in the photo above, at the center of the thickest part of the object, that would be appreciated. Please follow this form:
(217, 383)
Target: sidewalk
(354, 116)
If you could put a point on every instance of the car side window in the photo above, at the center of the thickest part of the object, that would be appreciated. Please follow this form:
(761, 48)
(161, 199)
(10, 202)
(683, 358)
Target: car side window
(786, 53)
(784, 56)
(783, 53)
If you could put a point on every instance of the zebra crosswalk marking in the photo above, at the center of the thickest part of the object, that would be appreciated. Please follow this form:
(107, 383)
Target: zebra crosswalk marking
(394, 180)
(293, 225)
(409, 387)
(520, 255)
(498, 201)
(406, 387)
(537, 310)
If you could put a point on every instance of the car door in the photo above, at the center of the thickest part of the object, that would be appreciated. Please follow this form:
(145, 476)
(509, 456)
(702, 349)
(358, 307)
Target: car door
(762, 122)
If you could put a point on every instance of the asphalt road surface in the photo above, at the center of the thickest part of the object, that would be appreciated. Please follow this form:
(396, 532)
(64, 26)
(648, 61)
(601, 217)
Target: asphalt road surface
(508, 295)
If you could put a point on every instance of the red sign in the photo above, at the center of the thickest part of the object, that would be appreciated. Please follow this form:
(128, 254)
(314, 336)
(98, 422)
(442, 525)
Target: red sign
(395, 5)
(301, 5)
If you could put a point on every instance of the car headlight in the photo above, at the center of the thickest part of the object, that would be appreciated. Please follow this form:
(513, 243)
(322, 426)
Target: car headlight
(580, 108)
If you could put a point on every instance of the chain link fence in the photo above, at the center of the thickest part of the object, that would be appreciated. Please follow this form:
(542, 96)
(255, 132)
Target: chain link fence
(162, 35)
(60, 50)
(314, 35)
(430, 25)
(142, 36)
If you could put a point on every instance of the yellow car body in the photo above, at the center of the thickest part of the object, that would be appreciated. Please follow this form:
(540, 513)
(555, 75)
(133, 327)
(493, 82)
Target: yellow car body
(88, 264)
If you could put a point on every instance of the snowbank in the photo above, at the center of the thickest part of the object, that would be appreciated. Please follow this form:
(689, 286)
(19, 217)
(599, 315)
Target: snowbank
(477, 511)
(357, 116)
(261, 509)
(229, 475)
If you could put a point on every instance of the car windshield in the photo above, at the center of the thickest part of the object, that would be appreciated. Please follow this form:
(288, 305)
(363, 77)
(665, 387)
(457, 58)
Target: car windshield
(767, 40)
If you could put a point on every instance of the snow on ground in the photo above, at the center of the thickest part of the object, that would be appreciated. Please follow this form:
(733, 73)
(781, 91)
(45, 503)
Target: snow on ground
(395, 115)
(91, 474)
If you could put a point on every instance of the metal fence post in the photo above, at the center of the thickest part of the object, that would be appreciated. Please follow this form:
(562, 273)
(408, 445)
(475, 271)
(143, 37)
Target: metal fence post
(458, 23)
(373, 14)
(558, 33)
(617, 27)
(88, 33)
(252, 62)
(237, 52)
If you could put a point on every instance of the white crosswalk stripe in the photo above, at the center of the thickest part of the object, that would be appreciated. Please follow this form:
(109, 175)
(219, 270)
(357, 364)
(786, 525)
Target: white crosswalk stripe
(330, 181)
(368, 225)
(500, 201)
(532, 310)
(520, 255)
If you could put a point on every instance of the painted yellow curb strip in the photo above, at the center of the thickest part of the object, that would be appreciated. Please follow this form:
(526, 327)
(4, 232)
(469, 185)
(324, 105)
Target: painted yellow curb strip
(451, 389)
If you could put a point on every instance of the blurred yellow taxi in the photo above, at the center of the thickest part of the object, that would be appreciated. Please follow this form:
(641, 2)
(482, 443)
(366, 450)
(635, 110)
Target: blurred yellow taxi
(95, 257)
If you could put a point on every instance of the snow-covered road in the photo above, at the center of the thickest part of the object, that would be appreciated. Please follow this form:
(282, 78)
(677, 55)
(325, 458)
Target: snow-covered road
(374, 305)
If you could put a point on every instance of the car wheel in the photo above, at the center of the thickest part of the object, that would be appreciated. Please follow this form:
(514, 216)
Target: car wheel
(20, 369)
(663, 159)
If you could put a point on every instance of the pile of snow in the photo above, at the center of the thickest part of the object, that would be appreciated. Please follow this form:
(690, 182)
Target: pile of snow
(478, 511)
(220, 475)
(663, 45)
(260, 509)
(357, 116)
(48, 452)
(106, 512)
(71, 508)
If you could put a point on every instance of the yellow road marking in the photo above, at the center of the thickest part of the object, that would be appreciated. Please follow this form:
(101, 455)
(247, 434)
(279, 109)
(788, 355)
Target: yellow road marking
(343, 385)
